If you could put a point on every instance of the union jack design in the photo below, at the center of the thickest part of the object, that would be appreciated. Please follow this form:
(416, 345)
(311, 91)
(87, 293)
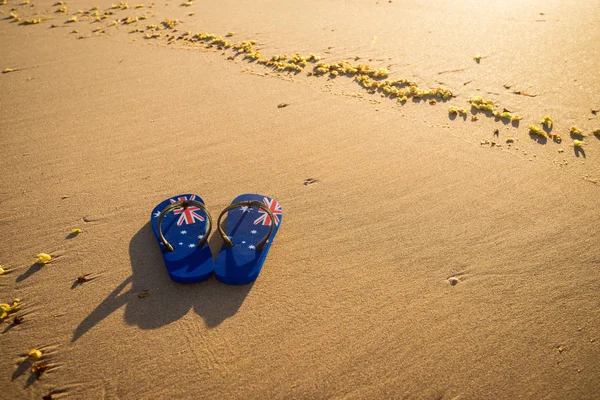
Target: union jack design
(265, 218)
(188, 215)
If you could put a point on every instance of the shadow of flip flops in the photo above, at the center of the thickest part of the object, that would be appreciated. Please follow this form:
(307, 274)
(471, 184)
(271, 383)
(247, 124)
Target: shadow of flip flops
(163, 301)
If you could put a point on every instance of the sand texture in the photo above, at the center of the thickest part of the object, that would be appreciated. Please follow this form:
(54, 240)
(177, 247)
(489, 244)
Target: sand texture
(423, 254)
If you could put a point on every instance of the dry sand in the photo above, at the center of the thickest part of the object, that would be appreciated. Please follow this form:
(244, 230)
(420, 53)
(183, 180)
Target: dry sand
(421, 264)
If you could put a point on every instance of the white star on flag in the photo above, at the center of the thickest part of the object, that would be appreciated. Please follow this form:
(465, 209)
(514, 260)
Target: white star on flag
(181, 243)
(251, 247)
(200, 236)
(156, 214)
(245, 208)
(192, 245)
(253, 232)
(184, 232)
(243, 242)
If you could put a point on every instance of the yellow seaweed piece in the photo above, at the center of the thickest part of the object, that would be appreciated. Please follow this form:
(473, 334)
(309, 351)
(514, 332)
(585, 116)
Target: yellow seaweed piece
(43, 258)
(171, 23)
(537, 131)
(130, 20)
(31, 21)
(62, 9)
(578, 143)
(2, 271)
(5, 309)
(481, 104)
(596, 132)
(575, 131)
(72, 19)
(35, 355)
(510, 140)
(547, 121)
(187, 4)
(122, 5)
(457, 110)
(556, 137)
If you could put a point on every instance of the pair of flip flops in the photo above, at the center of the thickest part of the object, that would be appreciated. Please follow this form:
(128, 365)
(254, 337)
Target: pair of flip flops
(182, 225)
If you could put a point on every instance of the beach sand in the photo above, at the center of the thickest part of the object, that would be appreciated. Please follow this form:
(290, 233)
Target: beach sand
(421, 256)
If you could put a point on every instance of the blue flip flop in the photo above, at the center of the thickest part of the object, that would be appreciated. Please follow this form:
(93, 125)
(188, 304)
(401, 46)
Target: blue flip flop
(252, 222)
(181, 225)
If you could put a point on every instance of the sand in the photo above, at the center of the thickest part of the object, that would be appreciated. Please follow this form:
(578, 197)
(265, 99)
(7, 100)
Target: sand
(420, 257)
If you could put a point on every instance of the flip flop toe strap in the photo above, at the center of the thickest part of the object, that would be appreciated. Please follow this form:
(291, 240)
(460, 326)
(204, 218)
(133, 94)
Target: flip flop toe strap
(246, 203)
(183, 204)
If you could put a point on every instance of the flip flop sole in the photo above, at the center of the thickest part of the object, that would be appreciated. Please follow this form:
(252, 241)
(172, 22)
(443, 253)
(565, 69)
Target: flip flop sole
(246, 226)
(183, 229)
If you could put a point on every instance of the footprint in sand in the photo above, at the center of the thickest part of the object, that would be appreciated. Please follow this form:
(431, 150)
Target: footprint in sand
(455, 279)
